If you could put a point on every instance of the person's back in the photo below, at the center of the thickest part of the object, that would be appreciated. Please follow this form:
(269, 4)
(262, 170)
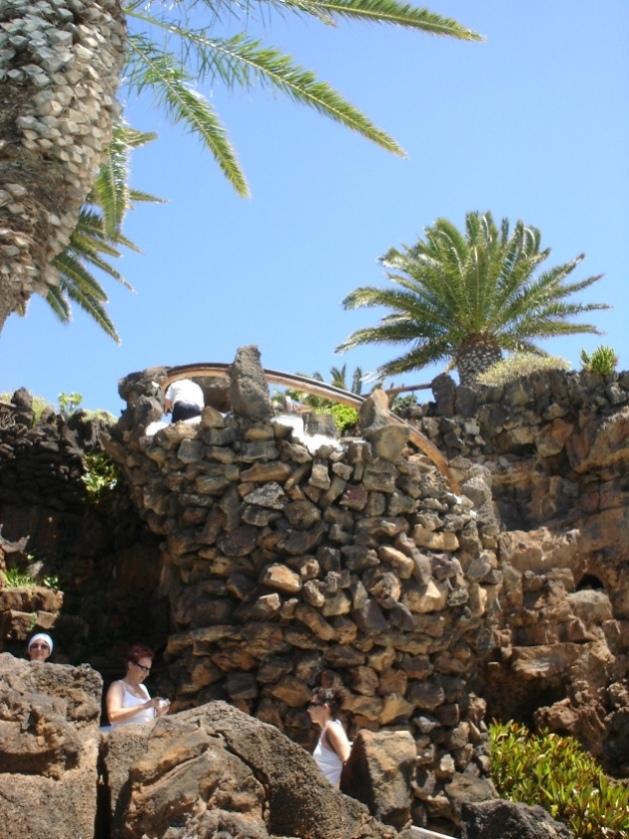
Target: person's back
(185, 399)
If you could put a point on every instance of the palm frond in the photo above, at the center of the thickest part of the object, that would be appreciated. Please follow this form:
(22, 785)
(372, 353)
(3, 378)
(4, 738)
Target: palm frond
(150, 67)
(392, 12)
(242, 61)
(144, 197)
(58, 303)
(93, 308)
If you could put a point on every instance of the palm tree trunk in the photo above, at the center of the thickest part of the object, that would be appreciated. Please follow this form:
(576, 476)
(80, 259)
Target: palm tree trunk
(476, 356)
(60, 64)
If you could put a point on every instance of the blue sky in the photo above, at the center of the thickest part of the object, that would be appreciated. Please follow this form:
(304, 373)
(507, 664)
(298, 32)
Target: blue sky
(531, 124)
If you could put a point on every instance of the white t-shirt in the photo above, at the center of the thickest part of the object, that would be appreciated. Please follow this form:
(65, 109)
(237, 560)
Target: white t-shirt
(186, 391)
(129, 700)
(327, 759)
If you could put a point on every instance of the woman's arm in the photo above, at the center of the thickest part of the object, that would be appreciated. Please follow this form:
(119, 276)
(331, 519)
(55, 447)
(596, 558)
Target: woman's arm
(115, 711)
(337, 738)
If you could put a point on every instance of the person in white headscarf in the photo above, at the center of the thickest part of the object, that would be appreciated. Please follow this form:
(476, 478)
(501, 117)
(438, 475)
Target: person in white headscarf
(40, 647)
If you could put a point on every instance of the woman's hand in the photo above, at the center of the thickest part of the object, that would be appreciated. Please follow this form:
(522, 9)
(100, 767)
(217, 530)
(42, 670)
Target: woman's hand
(162, 707)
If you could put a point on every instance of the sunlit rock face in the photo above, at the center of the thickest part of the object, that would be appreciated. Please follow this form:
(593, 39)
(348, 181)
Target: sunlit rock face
(285, 569)
(555, 449)
(49, 749)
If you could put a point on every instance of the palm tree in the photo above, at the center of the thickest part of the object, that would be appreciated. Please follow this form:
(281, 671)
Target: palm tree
(61, 64)
(97, 235)
(468, 297)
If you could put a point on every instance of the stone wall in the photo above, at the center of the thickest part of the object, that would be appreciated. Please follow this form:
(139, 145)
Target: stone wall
(555, 449)
(355, 566)
(105, 561)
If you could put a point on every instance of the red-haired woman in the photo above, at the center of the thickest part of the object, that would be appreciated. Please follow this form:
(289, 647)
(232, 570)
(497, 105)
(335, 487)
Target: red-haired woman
(128, 700)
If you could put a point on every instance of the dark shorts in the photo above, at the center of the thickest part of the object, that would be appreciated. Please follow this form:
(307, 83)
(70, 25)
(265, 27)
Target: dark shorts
(184, 411)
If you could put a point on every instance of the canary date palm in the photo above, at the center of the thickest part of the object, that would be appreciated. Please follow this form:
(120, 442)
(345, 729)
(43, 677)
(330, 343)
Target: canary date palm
(466, 297)
(61, 63)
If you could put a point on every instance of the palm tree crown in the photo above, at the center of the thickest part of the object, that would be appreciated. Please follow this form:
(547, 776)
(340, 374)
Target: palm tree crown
(466, 297)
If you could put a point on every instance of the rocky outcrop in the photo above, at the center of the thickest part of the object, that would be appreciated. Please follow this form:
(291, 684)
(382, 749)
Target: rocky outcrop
(554, 448)
(49, 716)
(215, 769)
(355, 565)
(505, 820)
(380, 772)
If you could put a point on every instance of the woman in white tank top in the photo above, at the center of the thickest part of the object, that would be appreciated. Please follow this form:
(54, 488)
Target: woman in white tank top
(128, 700)
(333, 747)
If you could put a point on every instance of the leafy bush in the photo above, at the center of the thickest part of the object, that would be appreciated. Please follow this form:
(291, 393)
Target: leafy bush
(402, 404)
(520, 364)
(602, 361)
(69, 403)
(557, 773)
(101, 475)
(345, 417)
(14, 578)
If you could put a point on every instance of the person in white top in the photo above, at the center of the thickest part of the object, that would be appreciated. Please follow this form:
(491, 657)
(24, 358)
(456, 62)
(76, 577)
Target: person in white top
(333, 747)
(128, 700)
(185, 399)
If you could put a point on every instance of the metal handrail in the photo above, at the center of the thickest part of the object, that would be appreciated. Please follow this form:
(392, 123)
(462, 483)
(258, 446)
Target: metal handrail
(317, 388)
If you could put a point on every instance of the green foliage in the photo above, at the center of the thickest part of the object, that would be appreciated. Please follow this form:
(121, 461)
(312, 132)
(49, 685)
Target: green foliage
(556, 773)
(97, 236)
(188, 55)
(101, 476)
(14, 578)
(345, 417)
(69, 403)
(602, 361)
(469, 296)
(169, 57)
(402, 404)
(50, 581)
(520, 364)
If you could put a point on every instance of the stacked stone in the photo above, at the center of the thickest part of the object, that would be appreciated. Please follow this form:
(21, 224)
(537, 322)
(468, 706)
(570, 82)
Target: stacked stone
(59, 69)
(285, 569)
(43, 463)
(532, 415)
(554, 448)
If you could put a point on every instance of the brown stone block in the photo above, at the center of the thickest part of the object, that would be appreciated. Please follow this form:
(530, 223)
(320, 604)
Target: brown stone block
(291, 691)
(380, 772)
(54, 762)
(282, 578)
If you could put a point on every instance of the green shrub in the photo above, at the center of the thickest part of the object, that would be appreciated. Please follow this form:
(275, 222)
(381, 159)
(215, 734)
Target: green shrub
(520, 364)
(69, 403)
(402, 404)
(602, 361)
(556, 773)
(345, 417)
(101, 475)
(14, 578)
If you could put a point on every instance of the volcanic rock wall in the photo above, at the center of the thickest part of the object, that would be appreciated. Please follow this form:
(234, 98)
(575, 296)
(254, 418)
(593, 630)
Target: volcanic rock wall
(555, 449)
(102, 561)
(355, 565)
